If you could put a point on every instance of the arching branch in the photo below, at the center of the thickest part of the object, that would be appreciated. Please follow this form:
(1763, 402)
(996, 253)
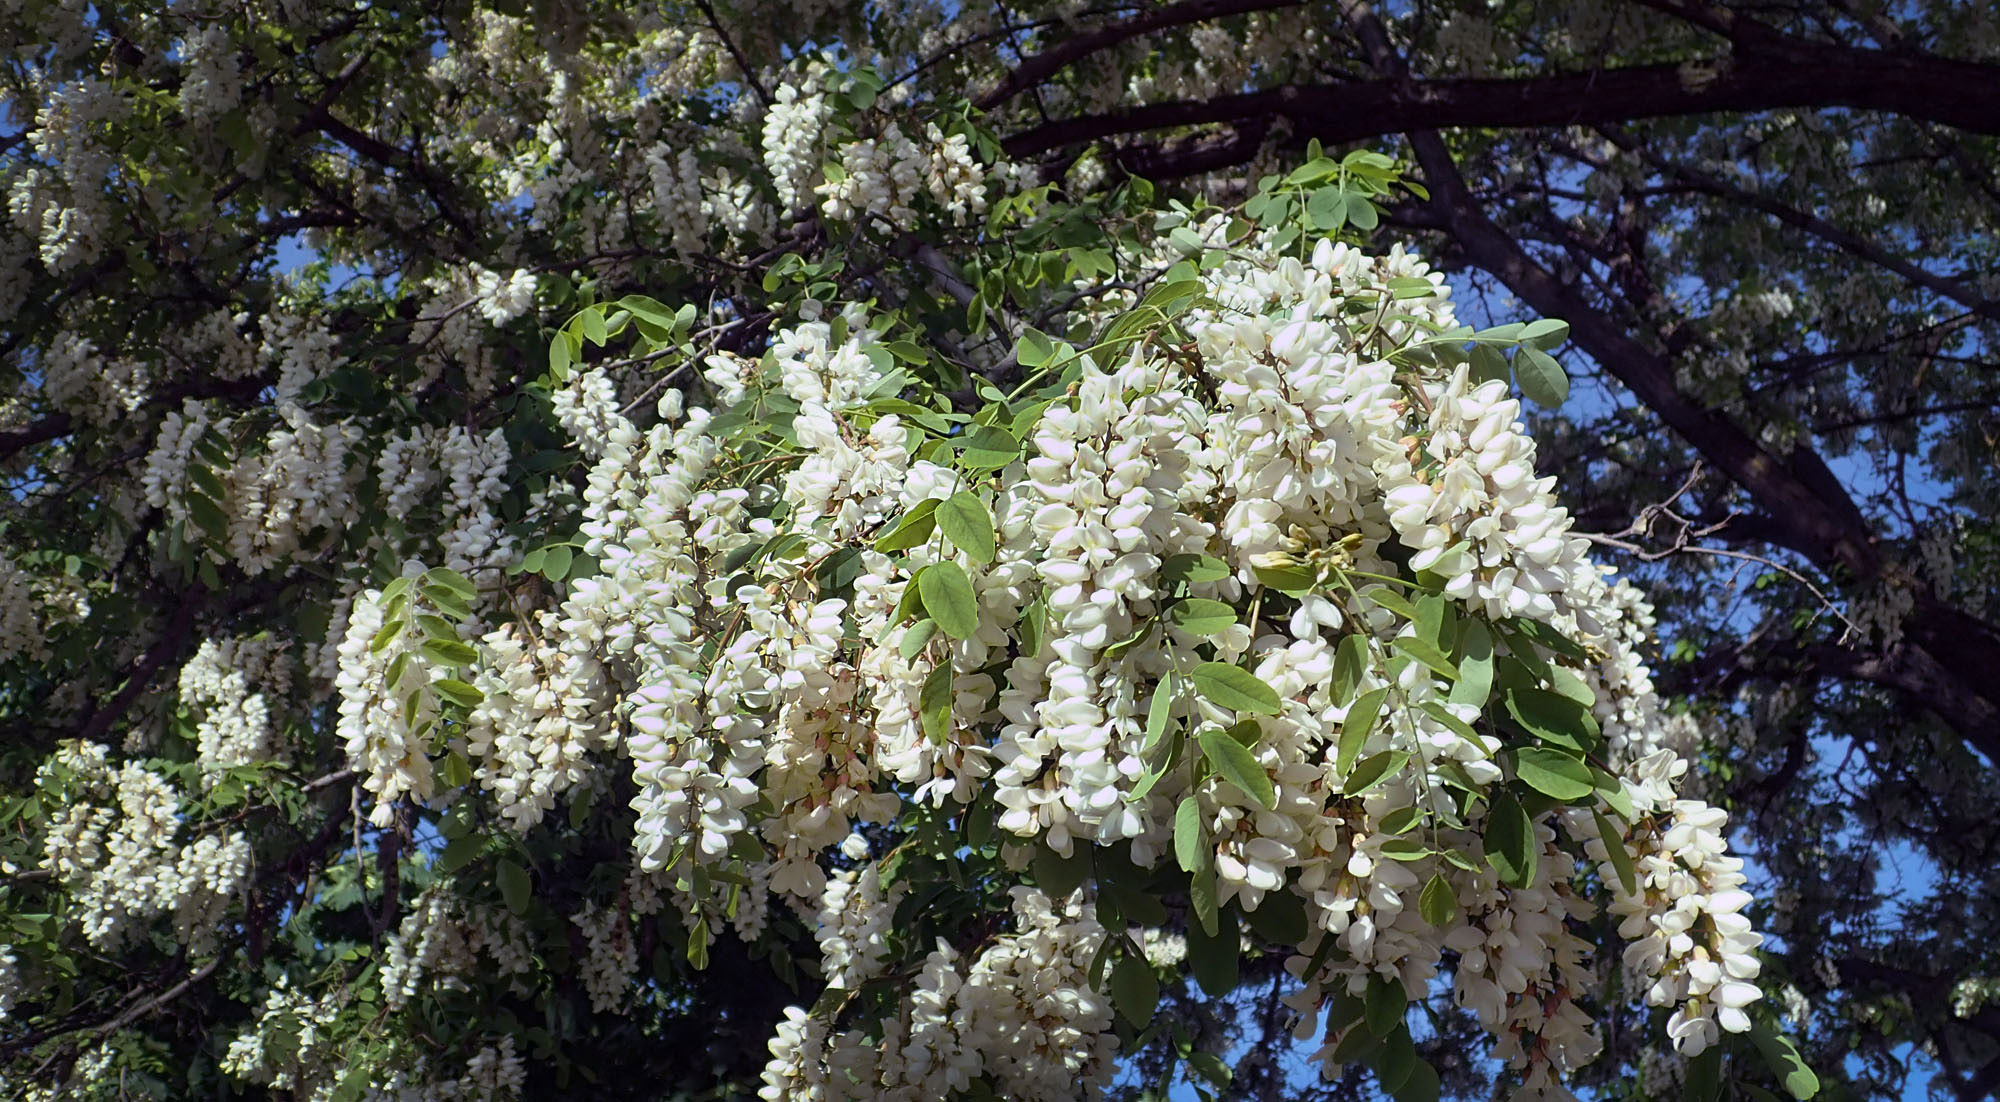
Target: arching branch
(1785, 74)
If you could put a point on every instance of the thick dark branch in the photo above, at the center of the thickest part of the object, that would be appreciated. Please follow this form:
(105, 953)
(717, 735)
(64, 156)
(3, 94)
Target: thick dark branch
(1759, 77)
(1053, 60)
(1918, 675)
(317, 117)
(1195, 156)
(164, 650)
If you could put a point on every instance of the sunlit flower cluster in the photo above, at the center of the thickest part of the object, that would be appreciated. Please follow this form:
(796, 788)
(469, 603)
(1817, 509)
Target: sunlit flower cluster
(1282, 437)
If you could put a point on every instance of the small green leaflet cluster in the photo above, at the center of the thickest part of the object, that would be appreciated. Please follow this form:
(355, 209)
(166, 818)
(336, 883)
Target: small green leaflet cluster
(1331, 194)
(660, 333)
(1531, 366)
(428, 609)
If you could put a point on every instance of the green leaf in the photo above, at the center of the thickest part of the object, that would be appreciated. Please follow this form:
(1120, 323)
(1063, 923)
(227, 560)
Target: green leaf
(1614, 844)
(1553, 773)
(209, 517)
(1215, 955)
(1373, 771)
(1704, 1076)
(1235, 688)
(448, 602)
(1421, 1084)
(697, 948)
(454, 770)
(841, 569)
(437, 627)
(1475, 665)
(1553, 717)
(1034, 348)
(1239, 765)
(1032, 626)
(1350, 661)
(559, 357)
(1361, 212)
(1569, 683)
(1292, 578)
(917, 638)
(1313, 171)
(1361, 718)
(1210, 1066)
(1438, 903)
(452, 580)
(1171, 296)
(1327, 208)
(458, 692)
(986, 448)
(1356, 1044)
(514, 888)
(1541, 377)
(967, 524)
(1205, 900)
(1280, 918)
(1160, 710)
(1511, 846)
(1488, 364)
(531, 563)
(1784, 1060)
(1550, 638)
(1201, 616)
(948, 597)
(651, 311)
(1428, 653)
(1385, 1004)
(1058, 875)
(1177, 569)
(934, 702)
(556, 561)
(1545, 333)
(1395, 1060)
(207, 481)
(460, 852)
(1393, 601)
(1436, 710)
(1433, 609)
(1139, 635)
(1400, 820)
(1188, 847)
(450, 653)
(1611, 790)
(911, 531)
(1135, 991)
(1249, 732)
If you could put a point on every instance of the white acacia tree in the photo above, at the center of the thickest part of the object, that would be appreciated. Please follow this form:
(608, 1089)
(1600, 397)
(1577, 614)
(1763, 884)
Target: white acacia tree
(786, 551)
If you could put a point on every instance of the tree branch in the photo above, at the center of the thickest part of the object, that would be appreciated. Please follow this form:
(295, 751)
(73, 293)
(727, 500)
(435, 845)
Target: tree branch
(1758, 76)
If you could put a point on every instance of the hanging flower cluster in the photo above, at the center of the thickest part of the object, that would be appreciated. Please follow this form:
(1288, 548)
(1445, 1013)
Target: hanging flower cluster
(1255, 599)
